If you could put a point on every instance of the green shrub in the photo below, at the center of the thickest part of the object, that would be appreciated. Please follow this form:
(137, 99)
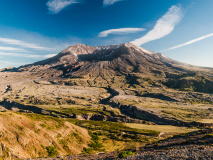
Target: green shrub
(43, 125)
(78, 137)
(95, 144)
(52, 151)
(125, 154)
(58, 135)
(20, 128)
(65, 145)
(87, 150)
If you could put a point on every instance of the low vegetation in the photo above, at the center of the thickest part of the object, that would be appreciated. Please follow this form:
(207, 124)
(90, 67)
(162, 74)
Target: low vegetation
(166, 129)
(52, 151)
(34, 135)
(193, 84)
(124, 154)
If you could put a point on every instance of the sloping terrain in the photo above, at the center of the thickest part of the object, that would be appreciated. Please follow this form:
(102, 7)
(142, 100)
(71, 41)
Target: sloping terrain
(193, 145)
(102, 96)
(125, 65)
(30, 135)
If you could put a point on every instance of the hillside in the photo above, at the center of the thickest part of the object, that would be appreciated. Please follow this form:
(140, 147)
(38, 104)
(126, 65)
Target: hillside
(100, 99)
(127, 63)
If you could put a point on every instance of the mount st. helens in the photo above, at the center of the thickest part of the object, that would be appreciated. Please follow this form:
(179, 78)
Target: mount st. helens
(102, 64)
(120, 94)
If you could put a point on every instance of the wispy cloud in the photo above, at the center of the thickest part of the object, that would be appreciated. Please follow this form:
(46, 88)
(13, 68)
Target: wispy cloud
(109, 2)
(12, 49)
(35, 56)
(164, 26)
(190, 42)
(55, 6)
(120, 31)
(24, 44)
(11, 63)
(49, 55)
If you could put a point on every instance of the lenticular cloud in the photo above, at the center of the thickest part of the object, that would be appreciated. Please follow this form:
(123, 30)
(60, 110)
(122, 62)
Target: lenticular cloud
(55, 6)
(110, 2)
(120, 31)
(164, 26)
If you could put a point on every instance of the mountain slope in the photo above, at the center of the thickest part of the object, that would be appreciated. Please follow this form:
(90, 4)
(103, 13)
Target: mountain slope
(126, 62)
(87, 86)
(123, 58)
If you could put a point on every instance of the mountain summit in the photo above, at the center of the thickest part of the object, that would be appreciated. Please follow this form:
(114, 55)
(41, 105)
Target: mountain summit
(120, 64)
(82, 59)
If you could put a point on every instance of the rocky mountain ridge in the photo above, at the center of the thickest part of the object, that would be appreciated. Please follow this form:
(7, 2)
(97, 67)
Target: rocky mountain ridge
(82, 59)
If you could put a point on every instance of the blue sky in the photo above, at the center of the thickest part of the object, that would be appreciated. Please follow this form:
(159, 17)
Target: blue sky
(32, 30)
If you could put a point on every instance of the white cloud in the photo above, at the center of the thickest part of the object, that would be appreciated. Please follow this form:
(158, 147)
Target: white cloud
(109, 2)
(164, 26)
(120, 31)
(49, 55)
(12, 49)
(24, 44)
(55, 6)
(190, 42)
(35, 56)
(10, 63)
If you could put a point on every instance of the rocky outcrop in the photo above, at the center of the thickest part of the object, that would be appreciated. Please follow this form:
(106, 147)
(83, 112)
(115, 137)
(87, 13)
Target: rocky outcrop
(8, 88)
(96, 117)
(81, 60)
(149, 115)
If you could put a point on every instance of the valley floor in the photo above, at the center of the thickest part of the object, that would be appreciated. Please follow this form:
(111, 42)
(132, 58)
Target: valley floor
(50, 118)
(181, 153)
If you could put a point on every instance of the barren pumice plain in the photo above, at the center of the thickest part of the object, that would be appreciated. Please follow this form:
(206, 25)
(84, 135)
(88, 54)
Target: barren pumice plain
(105, 102)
